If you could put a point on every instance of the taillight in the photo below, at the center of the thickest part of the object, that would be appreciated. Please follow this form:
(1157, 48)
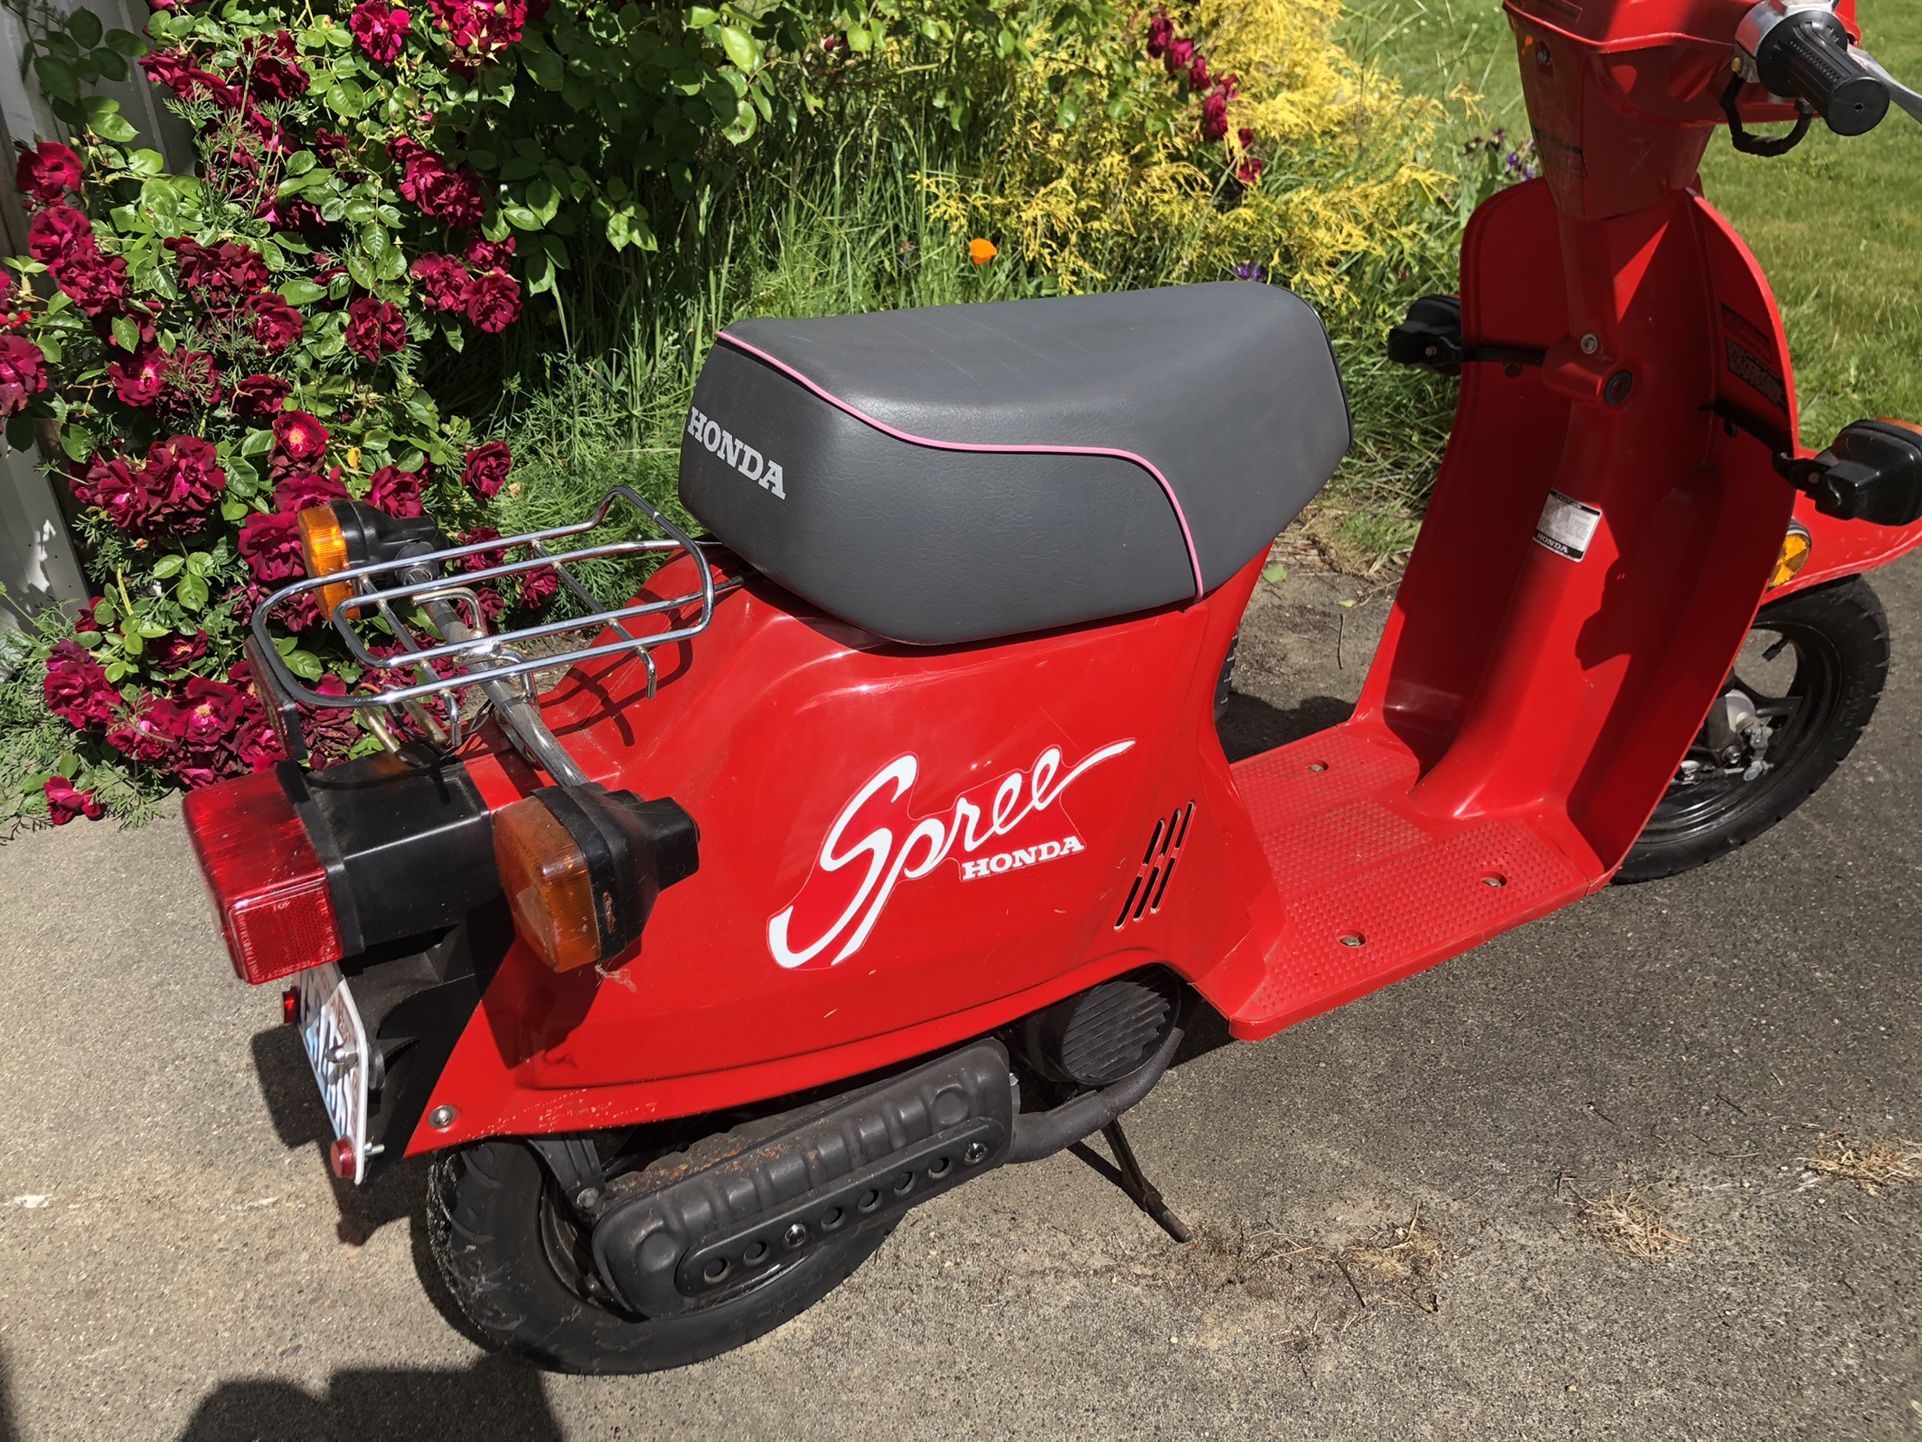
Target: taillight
(581, 867)
(268, 885)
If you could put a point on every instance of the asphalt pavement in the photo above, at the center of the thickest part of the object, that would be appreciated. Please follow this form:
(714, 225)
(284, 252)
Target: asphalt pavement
(1417, 1215)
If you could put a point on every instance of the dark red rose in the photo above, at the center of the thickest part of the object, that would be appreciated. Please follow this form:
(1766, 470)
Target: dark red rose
(97, 283)
(443, 283)
(299, 436)
(374, 328)
(147, 734)
(23, 373)
(270, 545)
(114, 487)
(58, 232)
(379, 29)
(486, 470)
(301, 489)
(183, 478)
(482, 27)
(76, 689)
(85, 621)
(330, 731)
(481, 560)
(290, 213)
(220, 276)
(137, 378)
(175, 70)
(1198, 73)
(48, 171)
(539, 587)
(252, 744)
(271, 69)
(396, 492)
(1161, 30)
(442, 192)
(191, 379)
(330, 145)
(493, 301)
(277, 324)
(489, 254)
(1214, 115)
(1249, 171)
(175, 652)
(1180, 55)
(1245, 136)
(259, 396)
(64, 803)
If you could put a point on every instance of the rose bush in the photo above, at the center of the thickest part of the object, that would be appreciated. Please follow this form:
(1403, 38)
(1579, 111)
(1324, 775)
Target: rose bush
(377, 185)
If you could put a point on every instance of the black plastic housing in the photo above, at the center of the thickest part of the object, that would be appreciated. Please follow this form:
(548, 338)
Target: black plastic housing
(1872, 473)
(406, 840)
(633, 848)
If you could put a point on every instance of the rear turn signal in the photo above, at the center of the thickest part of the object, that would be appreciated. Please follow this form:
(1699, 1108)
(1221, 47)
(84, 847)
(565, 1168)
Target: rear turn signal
(581, 867)
(268, 885)
(323, 545)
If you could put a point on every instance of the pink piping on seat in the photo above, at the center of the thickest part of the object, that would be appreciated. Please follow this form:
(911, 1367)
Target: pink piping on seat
(1187, 536)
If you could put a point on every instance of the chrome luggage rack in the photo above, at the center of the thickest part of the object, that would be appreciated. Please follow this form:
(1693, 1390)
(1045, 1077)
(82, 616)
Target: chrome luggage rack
(439, 633)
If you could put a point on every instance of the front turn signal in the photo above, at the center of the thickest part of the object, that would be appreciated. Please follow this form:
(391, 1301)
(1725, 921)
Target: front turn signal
(323, 546)
(1795, 553)
(581, 868)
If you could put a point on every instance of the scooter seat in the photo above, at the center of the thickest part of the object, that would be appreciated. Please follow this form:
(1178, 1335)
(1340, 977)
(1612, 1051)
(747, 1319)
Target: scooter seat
(965, 472)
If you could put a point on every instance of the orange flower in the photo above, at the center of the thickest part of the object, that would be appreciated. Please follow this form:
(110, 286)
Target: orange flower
(982, 251)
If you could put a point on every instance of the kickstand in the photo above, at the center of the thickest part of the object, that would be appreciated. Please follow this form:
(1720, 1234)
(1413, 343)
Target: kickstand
(1140, 1190)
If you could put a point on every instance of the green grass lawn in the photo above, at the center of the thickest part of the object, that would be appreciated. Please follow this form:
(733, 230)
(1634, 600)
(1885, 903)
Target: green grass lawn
(1837, 223)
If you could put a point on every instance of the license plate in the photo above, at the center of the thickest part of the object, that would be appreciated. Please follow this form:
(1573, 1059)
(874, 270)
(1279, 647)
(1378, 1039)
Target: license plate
(336, 1044)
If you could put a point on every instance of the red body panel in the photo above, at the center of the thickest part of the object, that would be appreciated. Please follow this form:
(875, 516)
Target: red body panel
(903, 848)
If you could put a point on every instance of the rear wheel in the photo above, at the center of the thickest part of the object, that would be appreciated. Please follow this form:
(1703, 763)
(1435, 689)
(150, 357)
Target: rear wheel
(1801, 693)
(519, 1261)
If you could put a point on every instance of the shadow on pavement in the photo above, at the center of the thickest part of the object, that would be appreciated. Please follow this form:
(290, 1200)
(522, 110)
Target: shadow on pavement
(293, 1104)
(492, 1398)
(8, 1431)
(1249, 727)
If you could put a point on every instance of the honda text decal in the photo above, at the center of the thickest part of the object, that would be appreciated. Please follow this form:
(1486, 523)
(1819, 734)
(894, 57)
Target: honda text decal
(876, 843)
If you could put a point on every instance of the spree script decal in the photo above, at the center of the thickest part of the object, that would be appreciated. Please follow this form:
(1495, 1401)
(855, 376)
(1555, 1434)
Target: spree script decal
(877, 843)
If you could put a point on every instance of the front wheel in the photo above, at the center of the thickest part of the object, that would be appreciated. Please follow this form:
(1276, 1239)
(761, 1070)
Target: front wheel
(518, 1261)
(1801, 693)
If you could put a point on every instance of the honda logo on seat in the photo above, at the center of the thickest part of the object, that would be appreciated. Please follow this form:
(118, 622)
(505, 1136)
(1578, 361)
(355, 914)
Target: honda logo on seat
(736, 452)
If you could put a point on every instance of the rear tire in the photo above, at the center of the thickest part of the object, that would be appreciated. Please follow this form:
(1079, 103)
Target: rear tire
(1840, 637)
(500, 1234)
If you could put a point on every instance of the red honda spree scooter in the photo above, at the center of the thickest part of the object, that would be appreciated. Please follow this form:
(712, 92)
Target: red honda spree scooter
(886, 836)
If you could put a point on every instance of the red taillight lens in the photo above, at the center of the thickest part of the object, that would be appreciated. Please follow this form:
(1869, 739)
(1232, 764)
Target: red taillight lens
(268, 885)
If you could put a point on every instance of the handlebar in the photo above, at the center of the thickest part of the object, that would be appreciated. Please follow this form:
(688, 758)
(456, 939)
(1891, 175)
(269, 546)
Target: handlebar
(1805, 56)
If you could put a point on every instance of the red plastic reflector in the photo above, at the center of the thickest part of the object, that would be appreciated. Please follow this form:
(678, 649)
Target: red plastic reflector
(269, 888)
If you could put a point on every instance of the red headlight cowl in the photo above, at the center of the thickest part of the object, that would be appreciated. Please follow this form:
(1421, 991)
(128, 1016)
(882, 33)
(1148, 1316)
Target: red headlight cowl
(268, 885)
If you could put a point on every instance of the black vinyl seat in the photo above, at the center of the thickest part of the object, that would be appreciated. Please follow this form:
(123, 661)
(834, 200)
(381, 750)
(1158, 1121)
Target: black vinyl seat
(967, 472)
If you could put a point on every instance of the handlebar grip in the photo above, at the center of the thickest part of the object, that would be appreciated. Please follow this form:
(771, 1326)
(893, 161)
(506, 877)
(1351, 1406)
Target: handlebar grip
(1806, 57)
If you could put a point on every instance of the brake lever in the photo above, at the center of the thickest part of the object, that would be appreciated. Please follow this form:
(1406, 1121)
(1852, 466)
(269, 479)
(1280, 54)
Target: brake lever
(1907, 99)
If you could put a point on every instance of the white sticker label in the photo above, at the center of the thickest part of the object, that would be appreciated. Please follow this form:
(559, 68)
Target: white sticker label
(1567, 527)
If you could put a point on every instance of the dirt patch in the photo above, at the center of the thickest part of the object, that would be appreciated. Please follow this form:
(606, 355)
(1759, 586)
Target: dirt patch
(1626, 1221)
(1874, 1166)
(1403, 1264)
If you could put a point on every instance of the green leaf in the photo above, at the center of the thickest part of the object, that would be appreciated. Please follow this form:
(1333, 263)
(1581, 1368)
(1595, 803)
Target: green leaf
(300, 162)
(699, 17)
(105, 120)
(85, 27)
(20, 432)
(347, 99)
(126, 333)
(257, 443)
(169, 566)
(860, 39)
(304, 664)
(57, 78)
(520, 217)
(127, 43)
(743, 49)
(76, 443)
(745, 123)
(192, 592)
(146, 163)
(232, 510)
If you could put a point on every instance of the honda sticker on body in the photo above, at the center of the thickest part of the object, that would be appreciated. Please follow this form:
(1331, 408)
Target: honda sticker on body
(876, 842)
(1567, 527)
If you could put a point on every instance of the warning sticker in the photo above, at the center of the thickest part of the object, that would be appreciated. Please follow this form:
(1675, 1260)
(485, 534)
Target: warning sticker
(1567, 527)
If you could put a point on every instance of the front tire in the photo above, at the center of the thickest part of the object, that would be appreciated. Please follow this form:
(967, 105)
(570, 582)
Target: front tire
(514, 1256)
(1838, 636)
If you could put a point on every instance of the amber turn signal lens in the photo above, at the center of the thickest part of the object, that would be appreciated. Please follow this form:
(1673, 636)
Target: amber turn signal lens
(324, 547)
(1796, 550)
(544, 874)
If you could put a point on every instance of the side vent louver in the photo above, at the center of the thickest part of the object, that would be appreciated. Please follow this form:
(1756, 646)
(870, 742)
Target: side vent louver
(1157, 866)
